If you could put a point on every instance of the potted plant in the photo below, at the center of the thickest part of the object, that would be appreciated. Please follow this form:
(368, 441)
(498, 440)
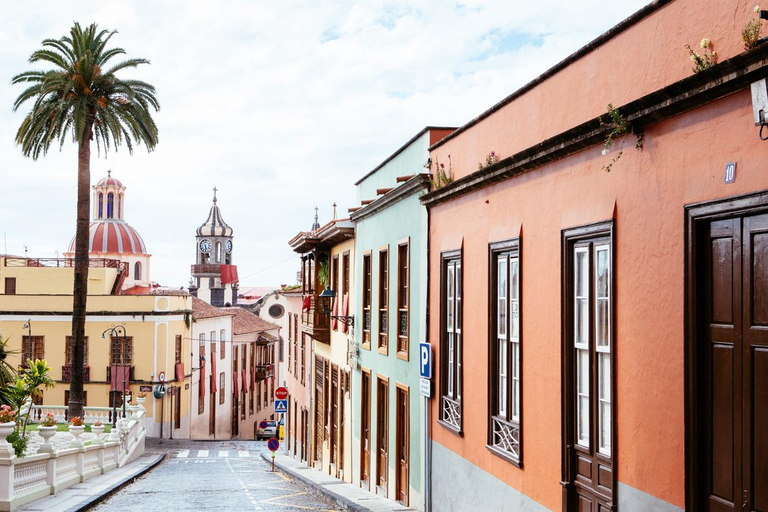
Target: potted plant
(142, 397)
(47, 429)
(97, 427)
(76, 428)
(7, 426)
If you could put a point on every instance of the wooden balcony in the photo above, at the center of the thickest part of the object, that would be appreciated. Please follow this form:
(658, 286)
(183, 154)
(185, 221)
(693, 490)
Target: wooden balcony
(66, 373)
(264, 371)
(314, 323)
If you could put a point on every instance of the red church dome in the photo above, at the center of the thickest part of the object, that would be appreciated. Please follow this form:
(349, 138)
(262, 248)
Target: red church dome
(109, 180)
(113, 236)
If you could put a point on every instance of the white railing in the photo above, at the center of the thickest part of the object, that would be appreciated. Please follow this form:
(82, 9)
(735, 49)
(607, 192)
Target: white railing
(103, 414)
(69, 460)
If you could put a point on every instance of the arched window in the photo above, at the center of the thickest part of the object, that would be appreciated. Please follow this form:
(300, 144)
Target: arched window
(218, 252)
(110, 205)
(137, 271)
(120, 206)
(101, 205)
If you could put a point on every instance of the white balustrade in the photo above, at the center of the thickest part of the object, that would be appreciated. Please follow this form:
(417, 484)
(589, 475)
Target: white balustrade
(39, 474)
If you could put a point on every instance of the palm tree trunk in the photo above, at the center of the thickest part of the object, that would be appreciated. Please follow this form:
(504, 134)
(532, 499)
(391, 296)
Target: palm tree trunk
(80, 289)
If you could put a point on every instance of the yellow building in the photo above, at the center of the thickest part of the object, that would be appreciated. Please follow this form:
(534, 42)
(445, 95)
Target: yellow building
(36, 317)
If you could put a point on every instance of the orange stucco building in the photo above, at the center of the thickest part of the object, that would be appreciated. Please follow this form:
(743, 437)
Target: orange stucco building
(599, 333)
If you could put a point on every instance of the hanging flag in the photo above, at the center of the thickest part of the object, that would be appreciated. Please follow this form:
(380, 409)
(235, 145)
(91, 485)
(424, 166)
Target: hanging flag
(180, 372)
(344, 307)
(335, 312)
(306, 301)
(202, 378)
(214, 387)
(119, 377)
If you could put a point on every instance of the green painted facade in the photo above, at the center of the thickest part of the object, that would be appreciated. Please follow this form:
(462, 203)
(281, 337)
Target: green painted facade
(394, 218)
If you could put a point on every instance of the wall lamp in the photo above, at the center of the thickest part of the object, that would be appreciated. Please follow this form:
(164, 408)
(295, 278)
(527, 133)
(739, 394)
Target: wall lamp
(327, 299)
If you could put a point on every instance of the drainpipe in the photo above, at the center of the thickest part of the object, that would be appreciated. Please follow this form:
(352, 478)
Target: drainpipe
(427, 408)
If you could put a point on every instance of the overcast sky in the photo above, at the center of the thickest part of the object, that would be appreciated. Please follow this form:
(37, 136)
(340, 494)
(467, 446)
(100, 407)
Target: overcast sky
(281, 105)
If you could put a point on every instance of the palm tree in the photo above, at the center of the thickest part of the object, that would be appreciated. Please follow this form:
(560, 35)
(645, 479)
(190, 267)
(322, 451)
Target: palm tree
(83, 99)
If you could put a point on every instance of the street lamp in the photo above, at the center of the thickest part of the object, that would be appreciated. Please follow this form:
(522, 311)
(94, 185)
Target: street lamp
(114, 332)
(28, 327)
(327, 297)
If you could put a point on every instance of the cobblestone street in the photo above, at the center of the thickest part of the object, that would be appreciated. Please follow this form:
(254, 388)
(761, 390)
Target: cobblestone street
(227, 475)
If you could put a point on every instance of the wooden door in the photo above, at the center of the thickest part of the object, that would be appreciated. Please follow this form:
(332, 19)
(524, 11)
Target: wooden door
(334, 412)
(733, 365)
(365, 430)
(402, 440)
(588, 391)
(319, 408)
(177, 407)
(382, 434)
(342, 429)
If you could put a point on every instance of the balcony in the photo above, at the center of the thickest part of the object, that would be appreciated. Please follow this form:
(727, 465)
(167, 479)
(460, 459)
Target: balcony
(66, 373)
(265, 340)
(207, 269)
(314, 323)
(264, 371)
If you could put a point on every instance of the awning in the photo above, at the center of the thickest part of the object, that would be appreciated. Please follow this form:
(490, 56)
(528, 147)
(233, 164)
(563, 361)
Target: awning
(120, 376)
(214, 387)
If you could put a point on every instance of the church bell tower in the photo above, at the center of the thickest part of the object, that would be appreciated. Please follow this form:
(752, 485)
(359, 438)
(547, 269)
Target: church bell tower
(214, 277)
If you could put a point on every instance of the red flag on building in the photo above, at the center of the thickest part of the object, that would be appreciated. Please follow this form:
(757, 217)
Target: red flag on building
(306, 301)
(202, 378)
(214, 387)
(180, 372)
(344, 308)
(335, 312)
(119, 378)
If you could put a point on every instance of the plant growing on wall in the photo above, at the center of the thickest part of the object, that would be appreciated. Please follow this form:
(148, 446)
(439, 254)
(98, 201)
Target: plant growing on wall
(619, 127)
(490, 159)
(706, 60)
(322, 273)
(441, 176)
(750, 34)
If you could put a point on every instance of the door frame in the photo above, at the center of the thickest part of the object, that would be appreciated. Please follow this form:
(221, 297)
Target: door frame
(696, 216)
(402, 438)
(570, 237)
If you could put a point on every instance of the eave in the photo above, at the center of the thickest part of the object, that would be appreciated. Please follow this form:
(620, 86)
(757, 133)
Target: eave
(419, 182)
(719, 81)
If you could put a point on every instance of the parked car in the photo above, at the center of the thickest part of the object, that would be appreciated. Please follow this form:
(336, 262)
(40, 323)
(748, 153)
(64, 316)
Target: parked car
(270, 430)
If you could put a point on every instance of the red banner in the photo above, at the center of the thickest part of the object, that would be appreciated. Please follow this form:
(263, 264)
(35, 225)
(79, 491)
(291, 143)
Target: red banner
(120, 376)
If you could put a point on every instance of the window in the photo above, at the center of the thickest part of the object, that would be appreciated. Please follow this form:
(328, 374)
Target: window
(367, 300)
(251, 369)
(70, 350)
(505, 397)
(345, 262)
(137, 271)
(121, 351)
(110, 205)
(302, 359)
(33, 350)
(222, 388)
(290, 347)
(101, 205)
(402, 300)
(335, 286)
(276, 311)
(120, 206)
(383, 299)
(451, 342)
(222, 336)
(177, 349)
(10, 286)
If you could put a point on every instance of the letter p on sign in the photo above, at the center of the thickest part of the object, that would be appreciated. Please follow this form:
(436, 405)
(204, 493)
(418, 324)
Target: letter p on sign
(425, 360)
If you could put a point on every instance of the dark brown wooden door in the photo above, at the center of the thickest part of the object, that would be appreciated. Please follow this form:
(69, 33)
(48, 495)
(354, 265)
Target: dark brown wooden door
(319, 408)
(382, 434)
(334, 412)
(10, 286)
(733, 367)
(403, 419)
(365, 430)
(589, 426)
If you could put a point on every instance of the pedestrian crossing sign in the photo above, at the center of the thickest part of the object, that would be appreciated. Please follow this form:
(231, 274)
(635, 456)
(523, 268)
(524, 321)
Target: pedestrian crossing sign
(281, 406)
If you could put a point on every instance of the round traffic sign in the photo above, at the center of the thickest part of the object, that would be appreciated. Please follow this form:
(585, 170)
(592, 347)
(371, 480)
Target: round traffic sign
(281, 393)
(263, 424)
(273, 444)
(161, 376)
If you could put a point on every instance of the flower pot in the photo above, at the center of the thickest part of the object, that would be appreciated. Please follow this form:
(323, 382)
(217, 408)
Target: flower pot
(134, 411)
(97, 430)
(141, 401)
(46, 433)
(76, 432)
(6, 429)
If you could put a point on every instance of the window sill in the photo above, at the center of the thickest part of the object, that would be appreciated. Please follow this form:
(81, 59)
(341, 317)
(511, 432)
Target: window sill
(402, 355)
(450, 428)
(505, 455)
(366, 346)
(384, 350)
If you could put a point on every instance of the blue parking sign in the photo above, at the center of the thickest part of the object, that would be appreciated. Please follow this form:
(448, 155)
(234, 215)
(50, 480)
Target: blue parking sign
(425, 360)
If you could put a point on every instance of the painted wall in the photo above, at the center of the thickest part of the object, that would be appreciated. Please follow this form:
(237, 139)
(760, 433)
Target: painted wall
(682, 163)
(200, 422)
(404, 220)
(298, 388)
(153, 322)
(53, 280)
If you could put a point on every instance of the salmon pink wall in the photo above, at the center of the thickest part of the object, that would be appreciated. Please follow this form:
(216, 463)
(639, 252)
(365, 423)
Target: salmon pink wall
(646, 57)
(682, 163)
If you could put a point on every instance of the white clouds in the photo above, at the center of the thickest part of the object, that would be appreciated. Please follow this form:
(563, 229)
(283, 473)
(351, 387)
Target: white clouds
(281, 105)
